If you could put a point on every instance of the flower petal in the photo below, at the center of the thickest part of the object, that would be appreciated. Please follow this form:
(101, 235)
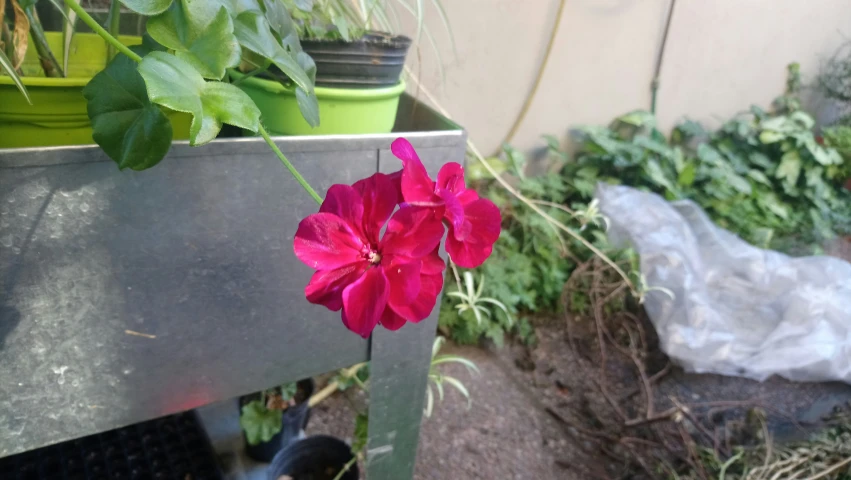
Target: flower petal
(344, 202)
(412, 232)
(417, 186)
(466, 254)
(432, 263)
(326, 286)
(364, 302)
(391, 320)
(486, 220)
(380, 196)
(404, 281)
(474, 249)
(422, 306)
(325, 241)
(451, 177)
(454, 213)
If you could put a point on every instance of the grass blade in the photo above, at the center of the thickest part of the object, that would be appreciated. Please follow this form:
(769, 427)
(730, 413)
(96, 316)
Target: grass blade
(48, 61)
(68, 29)
(10, 70)
(455, 359)
(439, 386)
(437, 345)
(429, 401)
(461, 388)
(445, 19)
(420, 18)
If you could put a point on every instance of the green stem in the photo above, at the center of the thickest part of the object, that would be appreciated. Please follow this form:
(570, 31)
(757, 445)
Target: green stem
(45, 55)
(114, 22)
(95, 26)
(346, 467)
(290, 166)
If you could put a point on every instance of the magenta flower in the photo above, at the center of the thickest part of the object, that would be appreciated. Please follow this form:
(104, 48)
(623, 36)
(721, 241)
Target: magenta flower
(389, 280)
(473, 222)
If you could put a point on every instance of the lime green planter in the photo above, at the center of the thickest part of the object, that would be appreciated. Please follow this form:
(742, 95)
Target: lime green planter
(341, 110)
(58, 113)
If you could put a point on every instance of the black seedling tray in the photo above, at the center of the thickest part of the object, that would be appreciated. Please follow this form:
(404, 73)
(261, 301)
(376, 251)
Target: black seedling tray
(168, 448)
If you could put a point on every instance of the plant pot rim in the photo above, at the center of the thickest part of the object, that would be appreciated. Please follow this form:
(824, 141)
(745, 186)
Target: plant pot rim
(370, 37)
(48, 81)
(30, 81)
(325, 92)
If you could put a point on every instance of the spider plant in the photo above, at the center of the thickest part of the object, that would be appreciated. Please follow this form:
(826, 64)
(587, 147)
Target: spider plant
(471, 299)
(437, 378)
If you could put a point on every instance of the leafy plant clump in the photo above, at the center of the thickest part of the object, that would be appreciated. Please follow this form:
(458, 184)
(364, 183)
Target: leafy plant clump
(763, 175)
(261, 419)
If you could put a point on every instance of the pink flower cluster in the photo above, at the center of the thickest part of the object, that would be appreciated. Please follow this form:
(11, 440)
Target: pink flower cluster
(393, 278)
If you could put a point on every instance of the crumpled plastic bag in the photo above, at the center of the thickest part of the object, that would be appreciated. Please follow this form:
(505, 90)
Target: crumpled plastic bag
(737, 310)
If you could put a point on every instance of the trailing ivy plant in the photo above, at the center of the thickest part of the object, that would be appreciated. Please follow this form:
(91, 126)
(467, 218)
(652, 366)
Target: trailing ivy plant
(182, 66)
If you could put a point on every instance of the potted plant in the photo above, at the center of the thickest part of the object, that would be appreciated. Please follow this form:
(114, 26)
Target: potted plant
(357, 72)
(318, 457)
(52, 69)
(272, 419)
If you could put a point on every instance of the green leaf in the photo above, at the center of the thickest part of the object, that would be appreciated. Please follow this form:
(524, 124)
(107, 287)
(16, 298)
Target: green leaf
(147, 7)
(687, 176)
(259, 423)
(361, 432)
(175, 84)
(759, 177)
(131, 130)
(10, 70)
(304, 5)
(638, 118)
(771, 136)
(282, 23)
(253, 32)
(657, 175)
(199, 35)
(308, 104)
(790, 167)
(289, 390)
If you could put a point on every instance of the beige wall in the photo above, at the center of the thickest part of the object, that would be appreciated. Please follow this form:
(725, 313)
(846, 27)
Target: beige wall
(722, 56)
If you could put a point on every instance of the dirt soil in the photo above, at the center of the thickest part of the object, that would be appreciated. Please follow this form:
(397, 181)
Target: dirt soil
(504, 435)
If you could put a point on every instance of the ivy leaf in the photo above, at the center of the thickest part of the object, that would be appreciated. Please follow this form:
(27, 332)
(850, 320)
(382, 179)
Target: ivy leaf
(308, 104)
(175, 84)
(134, 132)
(687, 175)
(282, 23)
(198, 36)
(253, 32)
(790, 167)
(259, 423)
(147, 7)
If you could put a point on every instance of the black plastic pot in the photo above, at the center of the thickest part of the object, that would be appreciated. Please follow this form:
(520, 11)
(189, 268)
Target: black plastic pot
(293, 421)
(319, 457)
(374, 61)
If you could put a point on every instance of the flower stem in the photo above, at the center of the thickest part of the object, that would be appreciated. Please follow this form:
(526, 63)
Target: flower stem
(346, 467)
(290, 166)
(95, 26)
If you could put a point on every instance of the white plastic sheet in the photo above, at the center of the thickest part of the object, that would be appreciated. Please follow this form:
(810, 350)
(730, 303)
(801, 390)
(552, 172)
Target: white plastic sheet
(737, 310)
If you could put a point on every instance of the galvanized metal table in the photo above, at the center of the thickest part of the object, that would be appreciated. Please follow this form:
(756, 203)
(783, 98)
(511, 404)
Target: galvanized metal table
(126, 296)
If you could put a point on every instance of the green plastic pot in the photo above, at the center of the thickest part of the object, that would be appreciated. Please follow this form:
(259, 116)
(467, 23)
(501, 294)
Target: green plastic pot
(342, 111)
(58, 113)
